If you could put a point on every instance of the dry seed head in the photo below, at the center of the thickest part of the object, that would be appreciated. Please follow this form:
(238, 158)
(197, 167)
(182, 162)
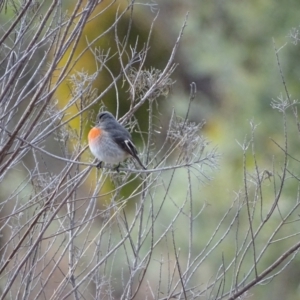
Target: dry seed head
(143, 80)
(186, 135)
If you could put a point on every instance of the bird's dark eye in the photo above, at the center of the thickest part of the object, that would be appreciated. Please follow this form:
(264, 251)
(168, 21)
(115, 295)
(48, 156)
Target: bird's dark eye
(101, 115)
(104, 115)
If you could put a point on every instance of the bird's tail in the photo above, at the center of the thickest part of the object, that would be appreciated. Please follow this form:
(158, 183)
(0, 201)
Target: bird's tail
(139, 161)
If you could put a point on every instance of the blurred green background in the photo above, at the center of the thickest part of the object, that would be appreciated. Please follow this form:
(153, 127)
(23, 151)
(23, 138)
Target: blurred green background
(228, 50)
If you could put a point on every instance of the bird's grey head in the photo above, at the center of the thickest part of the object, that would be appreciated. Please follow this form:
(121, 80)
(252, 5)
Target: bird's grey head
(103, 117)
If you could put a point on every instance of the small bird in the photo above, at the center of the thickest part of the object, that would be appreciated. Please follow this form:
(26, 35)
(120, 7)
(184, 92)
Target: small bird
(110, 142)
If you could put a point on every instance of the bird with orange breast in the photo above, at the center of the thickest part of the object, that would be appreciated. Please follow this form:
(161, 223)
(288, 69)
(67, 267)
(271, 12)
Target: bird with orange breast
(110, 142)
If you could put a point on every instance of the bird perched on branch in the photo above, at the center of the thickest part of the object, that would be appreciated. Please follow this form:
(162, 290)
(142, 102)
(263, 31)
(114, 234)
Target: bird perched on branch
(110, 142)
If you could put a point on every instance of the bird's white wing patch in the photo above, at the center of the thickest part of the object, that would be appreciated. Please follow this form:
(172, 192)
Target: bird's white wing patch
(130, 147)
